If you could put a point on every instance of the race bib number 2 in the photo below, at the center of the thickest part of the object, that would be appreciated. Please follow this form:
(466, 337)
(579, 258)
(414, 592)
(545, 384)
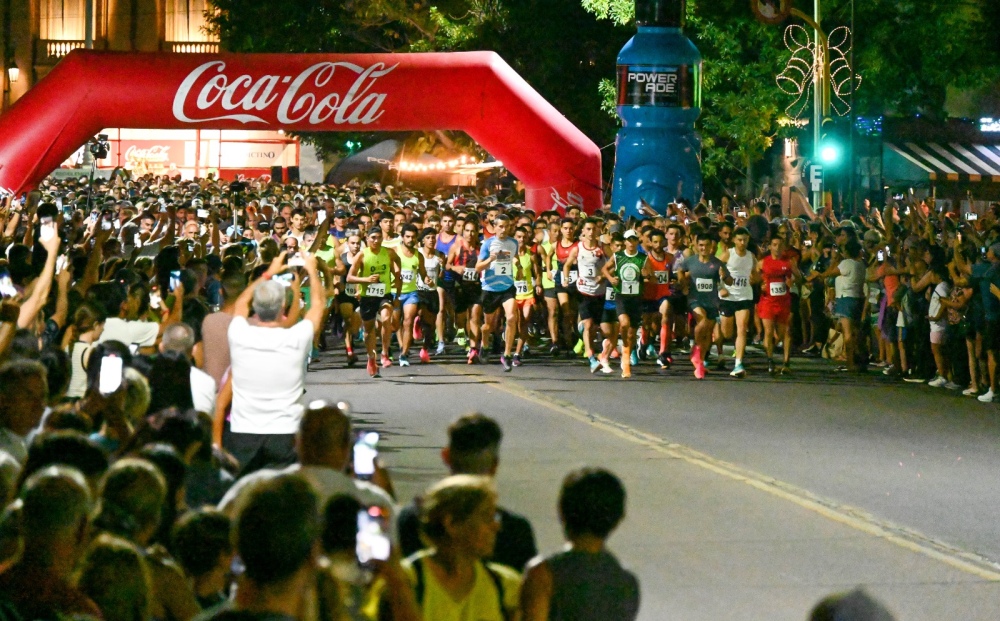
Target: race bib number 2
(503, 268)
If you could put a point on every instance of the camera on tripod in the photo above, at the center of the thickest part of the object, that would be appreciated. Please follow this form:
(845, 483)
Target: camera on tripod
(100, 146)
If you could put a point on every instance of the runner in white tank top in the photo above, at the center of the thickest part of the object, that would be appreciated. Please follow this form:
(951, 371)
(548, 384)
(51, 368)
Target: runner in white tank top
(735, 309)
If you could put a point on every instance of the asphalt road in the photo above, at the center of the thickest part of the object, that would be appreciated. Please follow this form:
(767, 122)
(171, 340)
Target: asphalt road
(748, 499)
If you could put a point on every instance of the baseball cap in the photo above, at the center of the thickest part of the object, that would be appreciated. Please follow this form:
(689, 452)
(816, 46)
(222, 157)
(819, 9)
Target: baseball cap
(630, 234)
(340, 213)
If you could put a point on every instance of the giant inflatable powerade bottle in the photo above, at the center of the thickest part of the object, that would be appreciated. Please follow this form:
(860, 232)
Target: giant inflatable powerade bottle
(658, 157)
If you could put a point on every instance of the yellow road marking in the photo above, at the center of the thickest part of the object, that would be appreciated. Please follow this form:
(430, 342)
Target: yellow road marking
(848, 515)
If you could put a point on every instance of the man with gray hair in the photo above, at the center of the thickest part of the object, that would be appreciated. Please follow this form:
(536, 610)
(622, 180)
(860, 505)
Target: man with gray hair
(55, 509)
(179, 338)
(269, 368)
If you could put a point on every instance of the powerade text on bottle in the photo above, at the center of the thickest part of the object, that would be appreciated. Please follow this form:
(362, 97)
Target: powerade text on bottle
(658, 157)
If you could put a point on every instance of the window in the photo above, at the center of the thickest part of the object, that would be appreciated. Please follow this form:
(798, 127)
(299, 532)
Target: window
(185, 21)
(62, 20)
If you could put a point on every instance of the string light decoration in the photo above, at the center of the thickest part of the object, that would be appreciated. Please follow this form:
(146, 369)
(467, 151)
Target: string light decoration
(797, 78)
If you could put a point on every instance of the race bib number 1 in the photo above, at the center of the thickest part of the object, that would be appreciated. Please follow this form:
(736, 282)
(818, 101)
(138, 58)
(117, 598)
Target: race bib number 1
(470, 274)
(376, 290)
(630, 287)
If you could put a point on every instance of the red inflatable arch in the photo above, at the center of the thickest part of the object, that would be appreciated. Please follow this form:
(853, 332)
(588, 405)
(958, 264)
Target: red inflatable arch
(472, 91)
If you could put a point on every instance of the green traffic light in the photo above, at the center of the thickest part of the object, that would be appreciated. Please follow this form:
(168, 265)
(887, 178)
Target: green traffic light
(829, 153)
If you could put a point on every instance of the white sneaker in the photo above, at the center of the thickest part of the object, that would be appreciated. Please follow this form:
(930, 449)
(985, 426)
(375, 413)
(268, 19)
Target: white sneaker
(888, 370)
(986, 397)
(970, 392)
(952, 386)
(937, 382)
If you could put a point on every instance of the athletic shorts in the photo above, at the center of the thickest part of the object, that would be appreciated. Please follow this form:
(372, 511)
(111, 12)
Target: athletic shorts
(409, 299)
(549, 293)
(778, 312)
(652, 307)
(525, 303)
(631, 307)
(467, 295)
(711, 312)
(678, 302)
(343, 298)
(728, 308)
(939, 337)
(429, 301)
(991, 334)
(494, 300)
(609, 315)
(591, 307)
(371, 306)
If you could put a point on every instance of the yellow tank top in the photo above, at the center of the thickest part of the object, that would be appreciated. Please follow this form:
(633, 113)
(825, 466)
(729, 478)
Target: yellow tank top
(525, 286)
(372, 263)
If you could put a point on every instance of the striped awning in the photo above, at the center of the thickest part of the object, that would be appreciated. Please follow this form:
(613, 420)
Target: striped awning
(952, 161)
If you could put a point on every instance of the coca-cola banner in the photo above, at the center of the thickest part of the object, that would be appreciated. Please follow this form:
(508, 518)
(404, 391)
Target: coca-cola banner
(472, 91)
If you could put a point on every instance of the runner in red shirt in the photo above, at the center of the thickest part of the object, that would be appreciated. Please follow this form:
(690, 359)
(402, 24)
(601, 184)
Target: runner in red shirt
(775, 306)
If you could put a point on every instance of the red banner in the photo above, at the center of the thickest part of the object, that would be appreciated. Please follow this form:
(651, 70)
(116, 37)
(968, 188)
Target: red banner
(472, 91)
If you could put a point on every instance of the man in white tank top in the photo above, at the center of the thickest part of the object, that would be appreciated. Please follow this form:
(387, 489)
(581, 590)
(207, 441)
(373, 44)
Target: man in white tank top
(735, 309)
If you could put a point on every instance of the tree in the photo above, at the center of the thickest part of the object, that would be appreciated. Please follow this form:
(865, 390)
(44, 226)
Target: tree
(349, 26)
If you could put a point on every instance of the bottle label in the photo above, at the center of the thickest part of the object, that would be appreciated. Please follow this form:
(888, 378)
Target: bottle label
(667, 87)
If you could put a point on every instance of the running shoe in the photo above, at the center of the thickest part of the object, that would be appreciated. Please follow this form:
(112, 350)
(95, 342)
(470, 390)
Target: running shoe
(352, 358)
(404, 360)
(472, 355)
(699, 370)
(738, 371)
(889, 370)
(525, 351)
(578, 348)
(720, 365)
(605, 366)
(594, 364)
(663, 361)
(785, 370)
(505, 363)
(770, 367)
(386, 361)
(460, 339)
(937, 382)
(425, 356)
(517, 360)
(812, 350)
(633, 357)
(481, 356)
(418, 332)
(650, 352)
(373, 368)
(615, 355)
(952, 386)
(912, 378)
(986, 397)
(440, 349)
(696, 355)
(970, 392)
(554, 350)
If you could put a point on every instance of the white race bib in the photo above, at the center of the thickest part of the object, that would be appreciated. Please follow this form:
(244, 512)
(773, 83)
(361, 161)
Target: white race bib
(376, 290)
(351, 290)
(470, 274)
(503, 268)
(590, 272)
(573, 276)
(741, 283)
(778, 288)
(610, 295)
(662, 278)
(630, 287)
(704, 285)
(521, 287)
(406, 276)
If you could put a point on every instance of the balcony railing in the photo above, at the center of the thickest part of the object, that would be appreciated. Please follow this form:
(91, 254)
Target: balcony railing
(49, 51)
(190, 47)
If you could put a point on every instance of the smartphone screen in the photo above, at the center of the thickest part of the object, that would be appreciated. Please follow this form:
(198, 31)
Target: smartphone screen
(202, 213)
(7, 288)
(881, 256)
(365, 454)
(285, 279)
(175, 279)
(971, 217)
(373, 539)
(61, 261)
(112, 369)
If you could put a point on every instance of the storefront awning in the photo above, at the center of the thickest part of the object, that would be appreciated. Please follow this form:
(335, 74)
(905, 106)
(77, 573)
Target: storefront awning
(952, 161)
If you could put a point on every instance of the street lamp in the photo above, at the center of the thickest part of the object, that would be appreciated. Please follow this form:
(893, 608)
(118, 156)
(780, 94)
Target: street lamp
(13, 74)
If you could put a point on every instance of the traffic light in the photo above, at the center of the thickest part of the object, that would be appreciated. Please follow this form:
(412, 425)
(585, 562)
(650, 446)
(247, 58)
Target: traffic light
(352, 146)
(831, 147)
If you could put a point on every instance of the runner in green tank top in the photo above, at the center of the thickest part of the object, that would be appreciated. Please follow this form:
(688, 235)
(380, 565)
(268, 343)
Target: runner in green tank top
(376, 269)
(411, 268)
(626, 272)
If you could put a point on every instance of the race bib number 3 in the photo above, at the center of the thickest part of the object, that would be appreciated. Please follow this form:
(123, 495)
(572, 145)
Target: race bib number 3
(521, 287)
(590, 272)
(470, 274)
(704, 285)
(376, 290)
(778, 288)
